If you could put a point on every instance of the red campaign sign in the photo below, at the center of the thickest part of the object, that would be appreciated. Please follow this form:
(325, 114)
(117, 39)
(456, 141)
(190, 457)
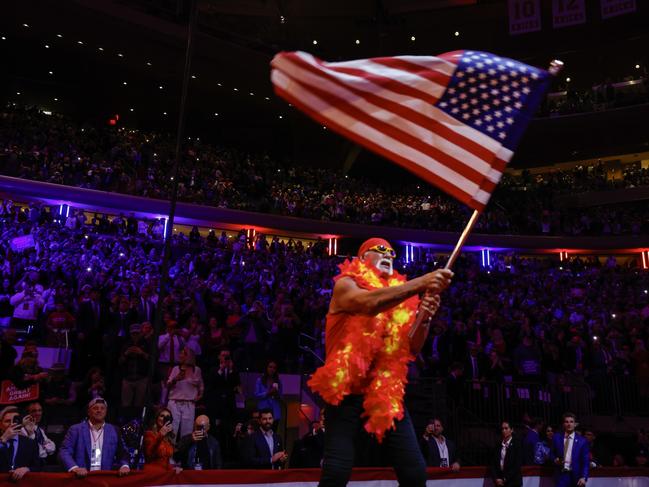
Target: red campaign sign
(568, 12)
(524, 16)
(10, 394)
(613, 8)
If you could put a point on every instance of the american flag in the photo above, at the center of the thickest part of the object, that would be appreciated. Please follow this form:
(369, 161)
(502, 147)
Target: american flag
(454, 120)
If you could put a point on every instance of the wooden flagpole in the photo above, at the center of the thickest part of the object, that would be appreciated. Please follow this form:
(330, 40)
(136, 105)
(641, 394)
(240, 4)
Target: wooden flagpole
(423, 317)
(462, 240)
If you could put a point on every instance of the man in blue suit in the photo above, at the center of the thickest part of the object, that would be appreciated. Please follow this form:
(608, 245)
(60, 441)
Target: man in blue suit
(94, 444)
(570, 452)
(265, 448)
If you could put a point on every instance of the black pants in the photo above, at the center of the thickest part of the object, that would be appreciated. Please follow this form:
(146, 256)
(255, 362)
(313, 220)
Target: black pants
(342, 425)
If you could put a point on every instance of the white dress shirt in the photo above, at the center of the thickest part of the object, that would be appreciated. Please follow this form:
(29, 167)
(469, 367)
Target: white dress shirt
(443, 450)
(567, 454)
(96, 445)
(503, 452)
(268, 436)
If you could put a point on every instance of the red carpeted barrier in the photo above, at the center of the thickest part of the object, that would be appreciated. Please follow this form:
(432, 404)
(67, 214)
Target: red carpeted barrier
(370, 477)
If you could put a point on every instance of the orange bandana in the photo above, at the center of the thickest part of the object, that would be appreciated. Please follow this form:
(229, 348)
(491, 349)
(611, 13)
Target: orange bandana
(373, 356)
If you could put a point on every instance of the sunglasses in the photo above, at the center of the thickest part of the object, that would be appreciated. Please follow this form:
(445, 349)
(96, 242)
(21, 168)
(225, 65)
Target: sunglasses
(165, 417)
(382, 249)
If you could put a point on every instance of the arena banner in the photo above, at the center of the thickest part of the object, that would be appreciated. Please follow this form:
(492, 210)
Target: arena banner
(568, 12)
(524, 16)
(365, 477)
(613, 8)
(11, 394)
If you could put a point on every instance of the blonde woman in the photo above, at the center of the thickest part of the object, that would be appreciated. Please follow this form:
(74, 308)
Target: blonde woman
(186, 387)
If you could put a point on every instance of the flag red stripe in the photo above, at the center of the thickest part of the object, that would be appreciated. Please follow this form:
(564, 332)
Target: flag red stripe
(437, 128)
(415, 168)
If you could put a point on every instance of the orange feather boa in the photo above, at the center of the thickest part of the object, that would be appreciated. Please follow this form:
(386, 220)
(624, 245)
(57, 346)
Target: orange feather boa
(373, 355)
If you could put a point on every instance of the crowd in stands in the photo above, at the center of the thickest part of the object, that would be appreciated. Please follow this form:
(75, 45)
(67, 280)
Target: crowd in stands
(90, 286)
(618, 92)
(50, 148)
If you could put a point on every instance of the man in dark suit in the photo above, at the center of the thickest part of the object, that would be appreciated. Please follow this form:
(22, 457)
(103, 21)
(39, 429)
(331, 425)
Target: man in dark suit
(507, 460)
(308, 451)
(200, 450)
(571, 455)
(531, 439)
(438, 450)
(18, 454)
(265, 448)
(146, 307)
(475, 364)
(223, 384)
(94, 444)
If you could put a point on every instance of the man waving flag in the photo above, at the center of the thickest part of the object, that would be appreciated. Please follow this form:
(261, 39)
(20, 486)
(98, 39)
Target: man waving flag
(453, 120)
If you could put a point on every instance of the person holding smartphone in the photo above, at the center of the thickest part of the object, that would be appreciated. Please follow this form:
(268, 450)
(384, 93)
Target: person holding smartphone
(200, 450)
(32, 429)
(159, 443)
(18, 454)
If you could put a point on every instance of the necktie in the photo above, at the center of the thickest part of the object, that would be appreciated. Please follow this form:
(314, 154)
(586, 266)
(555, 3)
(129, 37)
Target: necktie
(39, 436)
(11, 452)
(566, 444)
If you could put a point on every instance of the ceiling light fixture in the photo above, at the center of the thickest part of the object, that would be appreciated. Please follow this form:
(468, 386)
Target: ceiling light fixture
(132, 109)
(358, 41)
(80, 43)
(148, 63)
(315, 43)
(413, 38)
(457, 33)
(47, 46)
(26, 25)
(193, 76)
(60, 36)
(568, 80)
(119, 54)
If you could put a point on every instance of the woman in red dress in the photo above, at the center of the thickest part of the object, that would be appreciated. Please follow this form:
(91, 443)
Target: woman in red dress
(158, 443)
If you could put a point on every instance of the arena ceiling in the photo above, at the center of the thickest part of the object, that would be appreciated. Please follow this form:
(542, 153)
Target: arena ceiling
(97, 58)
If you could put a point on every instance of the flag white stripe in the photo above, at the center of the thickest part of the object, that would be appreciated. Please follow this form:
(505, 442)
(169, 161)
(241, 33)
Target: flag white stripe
(418, 105)
(431, 138)
(327, 111)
